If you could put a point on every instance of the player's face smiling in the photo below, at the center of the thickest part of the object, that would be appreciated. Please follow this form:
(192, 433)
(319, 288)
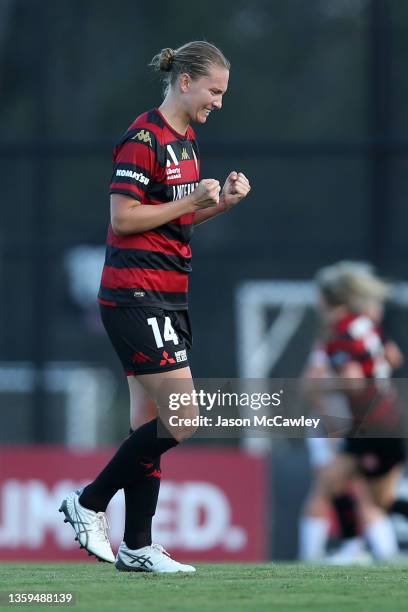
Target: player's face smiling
(205, 94)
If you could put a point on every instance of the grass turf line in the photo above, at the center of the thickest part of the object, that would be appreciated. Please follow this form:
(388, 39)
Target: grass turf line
(221, 587)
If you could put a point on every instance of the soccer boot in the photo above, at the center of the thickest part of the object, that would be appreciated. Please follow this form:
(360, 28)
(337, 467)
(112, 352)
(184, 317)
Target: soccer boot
(351, 552)
(91, 527)
(148, 559)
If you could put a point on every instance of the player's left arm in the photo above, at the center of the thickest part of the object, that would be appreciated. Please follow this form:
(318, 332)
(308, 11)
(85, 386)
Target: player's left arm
(236, 187)
(393, 354)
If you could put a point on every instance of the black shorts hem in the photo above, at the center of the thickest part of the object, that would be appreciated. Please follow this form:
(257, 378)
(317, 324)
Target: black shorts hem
(158, 369)
(376, 457)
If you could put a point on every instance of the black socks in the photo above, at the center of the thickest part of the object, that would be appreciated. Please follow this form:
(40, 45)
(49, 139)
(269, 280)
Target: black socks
(141, 502)
(126, 468)
(345, 506)
(399, 506)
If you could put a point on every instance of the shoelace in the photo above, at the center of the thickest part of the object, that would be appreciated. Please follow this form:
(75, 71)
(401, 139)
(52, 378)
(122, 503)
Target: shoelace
(160, 548)
(102, 525)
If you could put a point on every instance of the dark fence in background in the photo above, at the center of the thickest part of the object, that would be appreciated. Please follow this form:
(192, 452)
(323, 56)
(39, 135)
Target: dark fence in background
(338, 194)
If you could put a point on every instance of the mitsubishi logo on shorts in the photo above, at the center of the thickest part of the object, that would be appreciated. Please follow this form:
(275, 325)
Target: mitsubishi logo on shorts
(166, 359)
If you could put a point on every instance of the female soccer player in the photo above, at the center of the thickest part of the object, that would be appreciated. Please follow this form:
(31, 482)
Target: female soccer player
(354, 347)
(156, 200)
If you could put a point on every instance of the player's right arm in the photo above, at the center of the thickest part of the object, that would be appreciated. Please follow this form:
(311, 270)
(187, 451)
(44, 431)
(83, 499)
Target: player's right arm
(135, 169)
(129, 216)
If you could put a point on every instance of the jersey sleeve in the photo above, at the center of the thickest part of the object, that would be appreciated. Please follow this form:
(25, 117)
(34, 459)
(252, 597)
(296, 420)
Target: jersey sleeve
(134, 165)
(318, 357)
(345, 349)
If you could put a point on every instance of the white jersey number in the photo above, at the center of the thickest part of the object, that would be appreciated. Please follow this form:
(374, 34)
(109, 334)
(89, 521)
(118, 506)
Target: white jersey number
(169, 334)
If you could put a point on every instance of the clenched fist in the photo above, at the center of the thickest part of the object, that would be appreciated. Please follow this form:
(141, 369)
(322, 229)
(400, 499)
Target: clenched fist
(206, 194)
(236, 188)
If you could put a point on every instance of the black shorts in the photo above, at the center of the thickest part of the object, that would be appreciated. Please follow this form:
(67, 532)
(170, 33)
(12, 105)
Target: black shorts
(148, 340)
(376, 456)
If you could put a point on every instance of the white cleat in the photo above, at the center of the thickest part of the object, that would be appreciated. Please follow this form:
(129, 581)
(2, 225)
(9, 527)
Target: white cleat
(91, 527)
(363, 558)
(350, 552)
(148, 559)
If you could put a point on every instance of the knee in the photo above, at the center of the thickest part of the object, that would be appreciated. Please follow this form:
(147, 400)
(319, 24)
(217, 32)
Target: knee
(184, 423)
(370, 513)
(332, 483)
(385, 499)
(317, 504)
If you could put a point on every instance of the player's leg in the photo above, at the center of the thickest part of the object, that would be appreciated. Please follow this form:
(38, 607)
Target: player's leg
(150, 440)
(139, 514)
(314, 523)
(381, 531)
(336, 478)
(128, 466)
(384, 488)
(159, 371)
(141, 499)
(377, 527)
(151, 345)
(136, 552)
(86, 510)
(345, 506)
(130, 330)
(331, 476)
(352, 548)
(378, 461)
(142, 407)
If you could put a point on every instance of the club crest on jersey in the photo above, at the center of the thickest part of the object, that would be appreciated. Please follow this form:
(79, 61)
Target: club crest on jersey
(184, 154)
(143, 136)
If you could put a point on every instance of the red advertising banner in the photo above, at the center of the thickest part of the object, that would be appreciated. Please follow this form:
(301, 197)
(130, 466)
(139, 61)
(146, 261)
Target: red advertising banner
(212, 503)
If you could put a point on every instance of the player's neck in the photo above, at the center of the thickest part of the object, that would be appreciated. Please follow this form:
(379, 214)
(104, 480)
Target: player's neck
(337, 313)
(174, 114)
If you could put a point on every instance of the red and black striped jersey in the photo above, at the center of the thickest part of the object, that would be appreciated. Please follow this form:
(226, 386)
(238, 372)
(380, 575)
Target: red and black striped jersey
(358, 338)
(153, 164)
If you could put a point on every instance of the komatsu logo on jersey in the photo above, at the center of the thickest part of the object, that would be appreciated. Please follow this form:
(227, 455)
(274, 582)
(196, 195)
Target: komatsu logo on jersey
(143, 136)
(181, 191)
(136, 176)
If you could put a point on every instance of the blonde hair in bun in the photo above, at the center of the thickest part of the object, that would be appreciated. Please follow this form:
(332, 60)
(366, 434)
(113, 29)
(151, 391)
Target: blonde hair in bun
(194, 58)
(166, 58)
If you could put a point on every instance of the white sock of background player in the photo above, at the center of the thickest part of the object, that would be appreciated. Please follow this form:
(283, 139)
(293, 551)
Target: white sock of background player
(313, 534)
(381, 537)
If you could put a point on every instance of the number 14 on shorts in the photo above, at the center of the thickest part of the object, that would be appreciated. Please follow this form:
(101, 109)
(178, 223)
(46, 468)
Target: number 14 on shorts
(168, 334)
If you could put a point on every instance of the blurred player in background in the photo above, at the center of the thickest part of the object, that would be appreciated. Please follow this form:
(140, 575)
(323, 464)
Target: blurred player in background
(156, 200)
(353, 347)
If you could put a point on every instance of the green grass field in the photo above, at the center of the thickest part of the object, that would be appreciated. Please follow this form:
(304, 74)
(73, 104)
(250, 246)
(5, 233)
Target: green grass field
(223, 587)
